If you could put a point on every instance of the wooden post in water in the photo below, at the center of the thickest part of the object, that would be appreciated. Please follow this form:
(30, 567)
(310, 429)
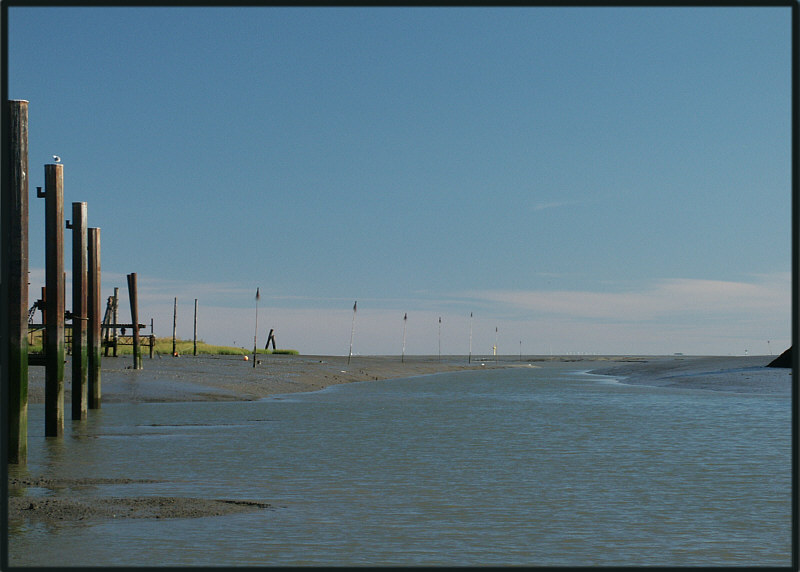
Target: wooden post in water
(80, 255)
(54, 280)
(195, 326)
(134, 299)
(14, 280)
(174, 327)
(95, 318)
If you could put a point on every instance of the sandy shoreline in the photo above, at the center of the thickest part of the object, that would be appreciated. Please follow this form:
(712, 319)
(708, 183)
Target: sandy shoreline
(185, 379)
(740, 374)
(168, 379)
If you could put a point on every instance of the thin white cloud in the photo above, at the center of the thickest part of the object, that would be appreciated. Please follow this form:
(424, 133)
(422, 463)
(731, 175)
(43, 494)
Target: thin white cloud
(664, 316)
(666, 298)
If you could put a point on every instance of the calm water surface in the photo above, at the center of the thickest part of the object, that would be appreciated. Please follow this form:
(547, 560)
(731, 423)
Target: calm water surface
(519, 466)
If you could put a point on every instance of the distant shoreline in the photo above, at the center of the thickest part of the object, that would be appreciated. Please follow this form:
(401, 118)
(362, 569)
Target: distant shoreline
(740, 374)
(168, 379)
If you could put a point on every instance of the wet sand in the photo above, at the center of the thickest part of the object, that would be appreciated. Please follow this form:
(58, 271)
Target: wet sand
(186, 379)
(740, 374)
(71, 507)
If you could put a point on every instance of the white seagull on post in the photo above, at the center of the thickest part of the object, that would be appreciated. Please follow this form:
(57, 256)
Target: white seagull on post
(56, 158)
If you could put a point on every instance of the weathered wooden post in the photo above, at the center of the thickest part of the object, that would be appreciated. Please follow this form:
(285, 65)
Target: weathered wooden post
(152, 339)
(134, 299)
(174, 327)
(54, 280)
(14, 279)
(105, 326)
(115, 320)
(80, 254)
(195, 326)
(94, 331)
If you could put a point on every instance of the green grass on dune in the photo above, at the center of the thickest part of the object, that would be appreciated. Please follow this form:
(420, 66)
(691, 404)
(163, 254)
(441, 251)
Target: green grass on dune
(182, 347)
(186, 347)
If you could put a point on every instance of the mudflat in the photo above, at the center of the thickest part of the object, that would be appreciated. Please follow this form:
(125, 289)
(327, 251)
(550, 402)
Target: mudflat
(229, 378)
(740, 374)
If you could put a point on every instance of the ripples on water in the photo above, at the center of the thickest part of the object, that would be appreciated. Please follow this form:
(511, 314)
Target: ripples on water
(519, 466)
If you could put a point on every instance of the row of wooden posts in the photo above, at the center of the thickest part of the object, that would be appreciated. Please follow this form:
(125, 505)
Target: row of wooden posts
(85, 314)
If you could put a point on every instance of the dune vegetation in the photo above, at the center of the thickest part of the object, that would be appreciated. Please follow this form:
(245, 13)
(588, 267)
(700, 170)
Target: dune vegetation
(164, 346)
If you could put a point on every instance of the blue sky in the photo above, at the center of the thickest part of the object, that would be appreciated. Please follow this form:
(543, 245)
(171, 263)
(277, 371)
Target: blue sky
(585, 180)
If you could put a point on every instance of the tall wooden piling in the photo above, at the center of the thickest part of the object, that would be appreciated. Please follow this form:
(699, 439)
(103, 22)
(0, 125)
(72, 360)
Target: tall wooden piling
(54, 280)
(195, 327)
(95, 317)
(133, 295)
(14, 280)
(80, 255)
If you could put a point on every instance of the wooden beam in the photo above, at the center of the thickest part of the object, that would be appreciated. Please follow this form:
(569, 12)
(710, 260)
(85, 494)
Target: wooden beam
(14, 280)
(80, 354)
(54, 280)
(134, 299)
(95, 317)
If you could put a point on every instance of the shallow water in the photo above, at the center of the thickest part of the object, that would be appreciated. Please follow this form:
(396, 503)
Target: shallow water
(520, 466)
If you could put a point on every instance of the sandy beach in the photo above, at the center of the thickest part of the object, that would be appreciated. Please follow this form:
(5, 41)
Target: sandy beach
(186, 378)
(170, 379)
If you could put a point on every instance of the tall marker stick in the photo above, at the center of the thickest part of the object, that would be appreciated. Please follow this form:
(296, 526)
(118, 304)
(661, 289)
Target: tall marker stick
(255, 333)
(352, 329)
(403, 355)
(195, 326)
(440, 338)
(174, 328)
(495, 345)
(469, 360)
